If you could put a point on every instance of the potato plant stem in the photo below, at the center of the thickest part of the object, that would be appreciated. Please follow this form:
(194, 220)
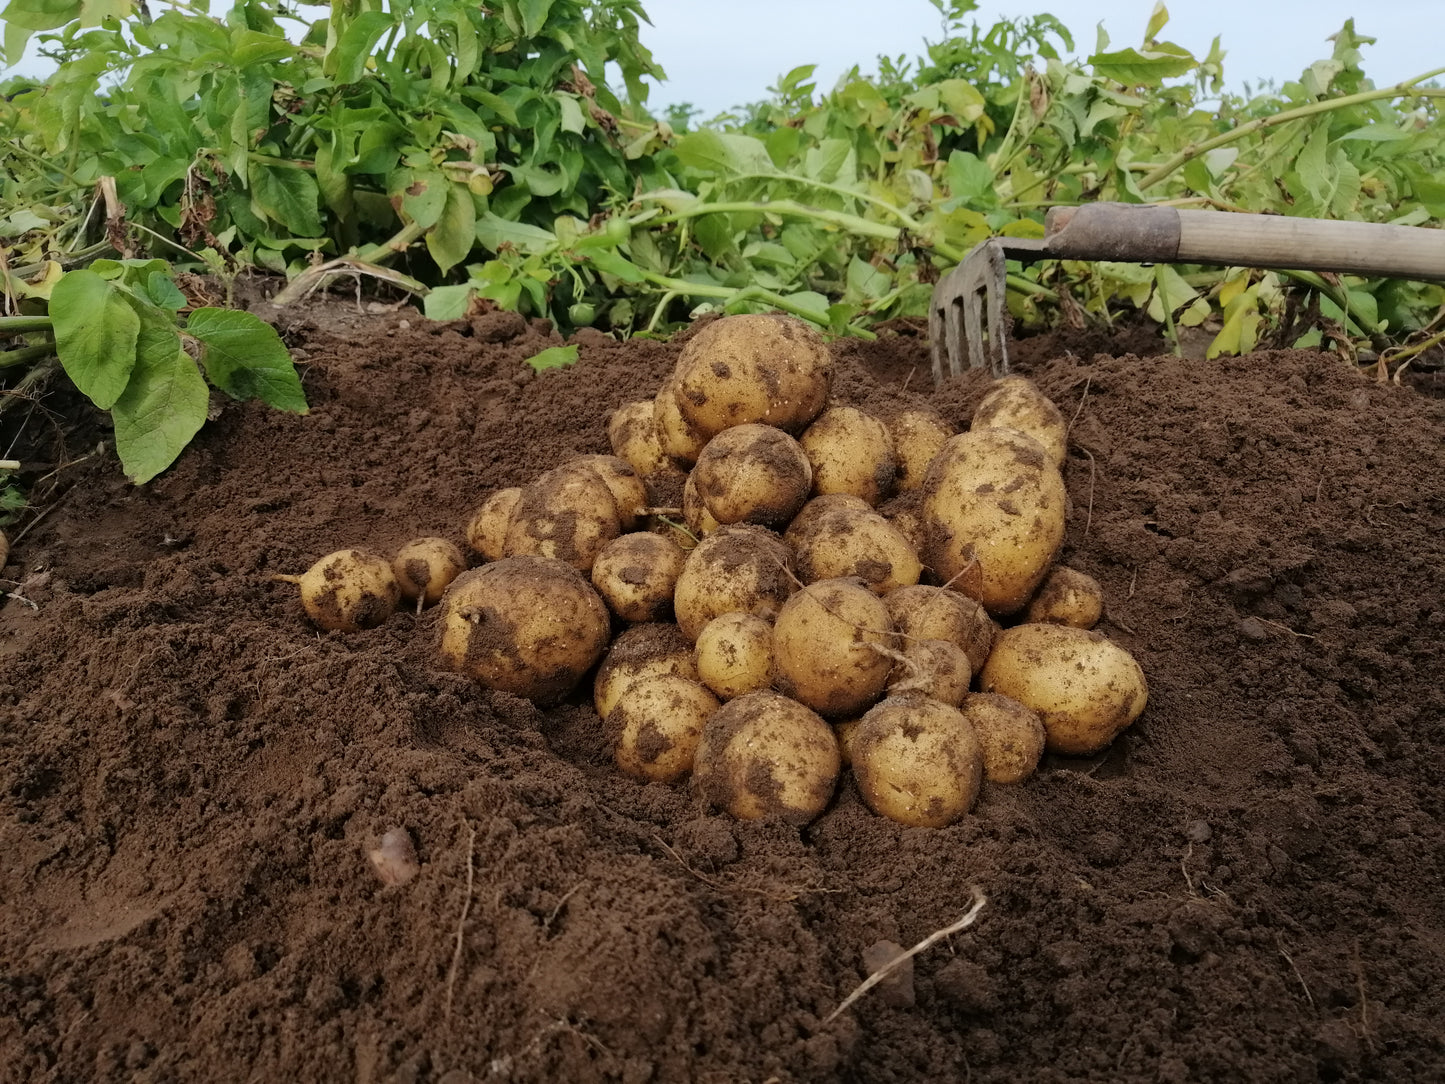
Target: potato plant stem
(26, 353)
(20, 325)
(852, 223)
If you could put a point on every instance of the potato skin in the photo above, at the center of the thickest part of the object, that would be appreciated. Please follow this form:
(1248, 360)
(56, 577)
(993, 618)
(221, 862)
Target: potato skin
(764, 756)
(994, 507)
(568, 514)
(639, 652)
(839, 535)
(851, 452)
(1067, 597)
(679, 440)
(1015, 402)
(918, 433)
(938, 613)
(937, 669)
(823, 647)
(629, 492)
(530, 626)
(632, 434)
(487, 532)
(739, 569)
(768, 368)
(917, 761)
(734, 654)
(349, 590)
(659, 722)
(425, 566)
(753, 474)
(694, 513)
(636, 573)
(1085, 688)
(1012, 736)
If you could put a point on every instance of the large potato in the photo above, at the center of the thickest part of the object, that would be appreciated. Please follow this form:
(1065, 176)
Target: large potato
(659, 722)
(735, 654)
(771, 369)
(629, 492)
(632, 433)
(740, 569)
(994, 509)
(763, 756)
(531, 626)
(1015, 402)
(1012, 736)
(753, 474)
(918, 433)
(636, 574)
(1067, 597)
(851, 452)
(840, 535)
(937, 613)
(568, 514)
(639, 652)
(487, 532)
(917, 761)
(826, 642)
(1085, 688)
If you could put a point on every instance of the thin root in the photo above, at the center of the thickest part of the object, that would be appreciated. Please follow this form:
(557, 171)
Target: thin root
(461, 920)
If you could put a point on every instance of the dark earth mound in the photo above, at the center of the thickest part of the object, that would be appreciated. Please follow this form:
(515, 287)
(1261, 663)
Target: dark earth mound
(1249, 886)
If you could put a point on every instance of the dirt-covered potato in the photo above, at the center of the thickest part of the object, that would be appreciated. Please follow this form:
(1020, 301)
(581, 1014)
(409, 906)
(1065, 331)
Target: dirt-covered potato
(679, 440)
(763, 756)
(769, 368)
(658, 722)
(1015, 402)
(825, 647)
(629, 492)
(846, 731)
(740, 569)
(1085, 687)
(851, 452)
(753, 474)
(348, 590)
(487, 532)
(568, 513)
(1012, 736)
(905, 513)
(937, 669)
(636, 573)
(694, 513)
(632, 433)
(917, 761)
(530, 626)
(639, 652)
(937, 613)
(994, 508)
(735, 654)
(424, 567)
(918, 433)
(839, 535)
(1067, 597)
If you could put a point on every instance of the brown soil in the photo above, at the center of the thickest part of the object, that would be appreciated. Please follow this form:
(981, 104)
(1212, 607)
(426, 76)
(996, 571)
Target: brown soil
(1248, 886)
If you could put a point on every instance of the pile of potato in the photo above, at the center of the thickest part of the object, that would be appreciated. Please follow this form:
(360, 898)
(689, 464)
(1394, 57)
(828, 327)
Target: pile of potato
(789, 618)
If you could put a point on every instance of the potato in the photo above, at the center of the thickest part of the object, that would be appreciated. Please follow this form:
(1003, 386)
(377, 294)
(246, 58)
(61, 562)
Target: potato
(846, 731)
(424, 567)
(679, 440)
(763, 756)
(568, 514)
(659, 721)
(994, 508)
(905, 513)
(839, 535)
(753, 474)
(1015, 402)
(1012, 736)
(769, 368)
(348, 590)
(824, 642)
(639, 652)
(917, 761)
(632, 433)
(851, 452)
(735, 654)
(918, 433)
(487, 532)
(1067, 597)
(636, 573)
(629, 492)
(699, 520)
(1085, 688)
(937, 613)
(738, 569)
(530, 626)
(937, 669)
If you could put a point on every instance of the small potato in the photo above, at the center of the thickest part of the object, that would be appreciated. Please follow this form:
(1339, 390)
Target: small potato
(1015, 402)
(632, 433)
(824, 642)
(846, 731)
(530, 626)
(994, 507)
(1012, 736)
(770, 368)
(918, 433)
(487, 532)
(636, 573)
(639, 652)
(851, 452)
(699, 520)
(424, 567)
(738, 569)
(1085, 688)
(568, 514)
(629, 492)
(937, 613)
(839, 535)
(753, 474)
(659, 722)
(763, 756)
(1067, 597)
(937, 669)
(679, 440)
(348, 590)
(735, 654)
(917, 761)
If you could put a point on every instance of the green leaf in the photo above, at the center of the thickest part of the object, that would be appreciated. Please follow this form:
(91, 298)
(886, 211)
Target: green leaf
(163, 292)
(41, 14)
(1148, 67)
(163, 407)
(245, 358)
(448, 302)
(355, 46)
(612, 263)
(554, 357)
(534, 15)
(717, 152)
(289, 196)
(572, 117)
(1157, 20)
(455, 232)
(494, 232)
(423, 194)
(95, 335)
(969, 179)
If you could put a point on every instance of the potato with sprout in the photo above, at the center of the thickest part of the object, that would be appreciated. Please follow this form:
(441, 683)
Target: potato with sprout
(424, 567)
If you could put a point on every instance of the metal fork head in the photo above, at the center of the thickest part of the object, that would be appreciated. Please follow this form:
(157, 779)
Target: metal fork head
(967, 310)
